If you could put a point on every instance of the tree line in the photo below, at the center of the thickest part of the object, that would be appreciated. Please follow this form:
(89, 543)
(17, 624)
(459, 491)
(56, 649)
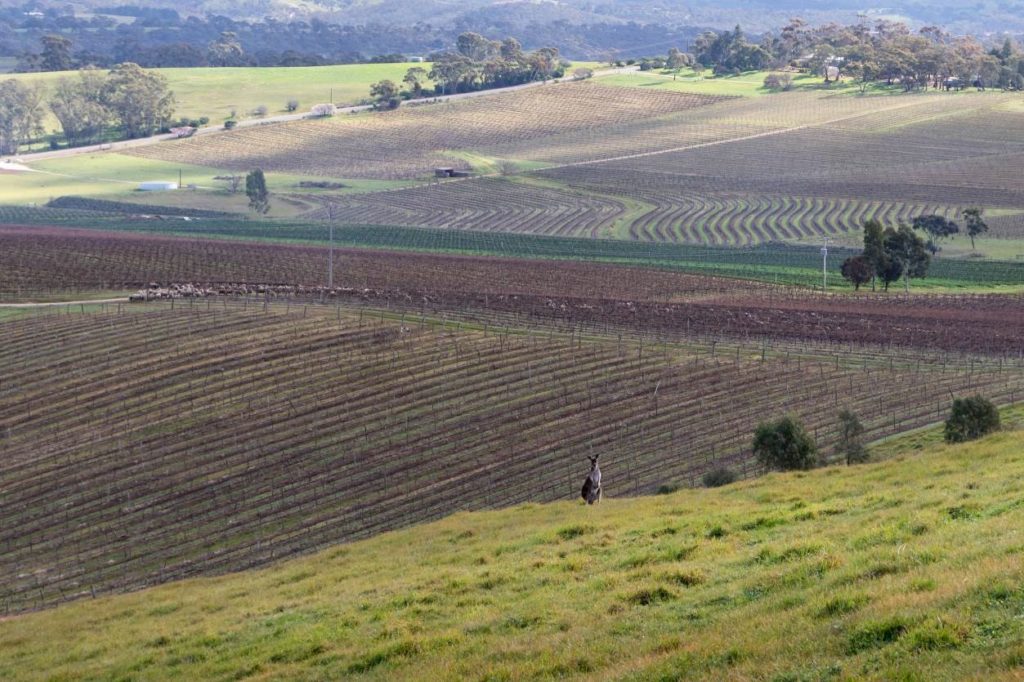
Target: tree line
(159, 38)
(894, 253)
(476, 63)
(128, 101)
(884, 51)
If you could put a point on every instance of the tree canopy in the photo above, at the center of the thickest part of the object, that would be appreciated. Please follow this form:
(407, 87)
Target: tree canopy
(21, 115)
(138, 99)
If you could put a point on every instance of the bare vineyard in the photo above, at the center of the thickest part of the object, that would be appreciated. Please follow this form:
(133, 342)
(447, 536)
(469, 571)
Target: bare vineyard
(486, 204)
(141, 447)
(603, 297)
(410, 142)
(34, 259)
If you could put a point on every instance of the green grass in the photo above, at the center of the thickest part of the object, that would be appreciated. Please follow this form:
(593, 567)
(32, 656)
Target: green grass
(215, 92)
(116, 176)
(905, 569)
(749, 84)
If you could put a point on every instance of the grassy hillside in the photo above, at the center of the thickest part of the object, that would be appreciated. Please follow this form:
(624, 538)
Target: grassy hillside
(909, 569)
(215, 92)
(117, 176)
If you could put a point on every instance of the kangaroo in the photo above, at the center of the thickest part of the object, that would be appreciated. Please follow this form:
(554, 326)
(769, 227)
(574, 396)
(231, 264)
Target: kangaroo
(592, 485)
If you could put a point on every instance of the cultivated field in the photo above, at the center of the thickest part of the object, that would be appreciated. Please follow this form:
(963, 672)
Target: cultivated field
(908, 569)
(603, 159)
(410, 142)
(146, 445)
(667, 166)
(47, 261)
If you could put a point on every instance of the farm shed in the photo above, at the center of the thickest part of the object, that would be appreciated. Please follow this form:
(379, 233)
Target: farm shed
(450, 173)
(157, 186)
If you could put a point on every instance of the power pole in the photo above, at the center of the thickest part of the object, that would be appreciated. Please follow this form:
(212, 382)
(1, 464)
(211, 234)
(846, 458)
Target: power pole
(824, 266)
(330, 243)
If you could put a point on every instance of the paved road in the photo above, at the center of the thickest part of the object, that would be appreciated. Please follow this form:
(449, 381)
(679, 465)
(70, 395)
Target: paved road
(269, 120)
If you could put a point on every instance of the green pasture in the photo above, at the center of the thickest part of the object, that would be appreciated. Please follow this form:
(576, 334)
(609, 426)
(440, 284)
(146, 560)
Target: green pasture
(748, 84)
(104, 175)
(216, 92)
(908, 569)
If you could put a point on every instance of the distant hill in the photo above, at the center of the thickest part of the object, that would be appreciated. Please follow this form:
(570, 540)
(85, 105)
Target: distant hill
(961, 15)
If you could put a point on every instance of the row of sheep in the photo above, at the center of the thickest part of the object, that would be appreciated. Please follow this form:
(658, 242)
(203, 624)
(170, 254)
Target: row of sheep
(156, 291)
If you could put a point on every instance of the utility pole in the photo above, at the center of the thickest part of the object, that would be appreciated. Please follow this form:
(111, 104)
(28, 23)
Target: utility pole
(330, 243)
(824, 266)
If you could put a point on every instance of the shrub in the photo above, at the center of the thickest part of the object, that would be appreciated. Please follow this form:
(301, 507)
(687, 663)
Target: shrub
(778, 81)
(718, 477)
(582, 74)
(291, 105)
(851, 439)
(667, 488)
(784, 445)
(261, 110)
(971, 418)
(230, 123)
(322, 110)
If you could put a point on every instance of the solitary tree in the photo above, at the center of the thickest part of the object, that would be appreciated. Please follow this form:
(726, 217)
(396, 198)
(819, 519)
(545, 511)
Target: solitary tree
(851, 439)
(857, 271)
(677, 59)
(256, 190)
(937, 228)
(21, 115)
(974, 223)
(784, 444)
(971, 418)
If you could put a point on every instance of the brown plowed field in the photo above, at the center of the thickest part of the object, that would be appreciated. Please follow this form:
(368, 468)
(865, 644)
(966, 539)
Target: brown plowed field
(34, 259)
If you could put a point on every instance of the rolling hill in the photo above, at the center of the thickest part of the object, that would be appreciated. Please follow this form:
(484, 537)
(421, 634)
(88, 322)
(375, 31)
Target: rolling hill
(907, 569)
(149, 442)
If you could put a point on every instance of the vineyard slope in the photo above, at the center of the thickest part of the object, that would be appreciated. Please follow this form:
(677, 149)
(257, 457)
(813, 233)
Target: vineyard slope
(148, 443)
(907, 569)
